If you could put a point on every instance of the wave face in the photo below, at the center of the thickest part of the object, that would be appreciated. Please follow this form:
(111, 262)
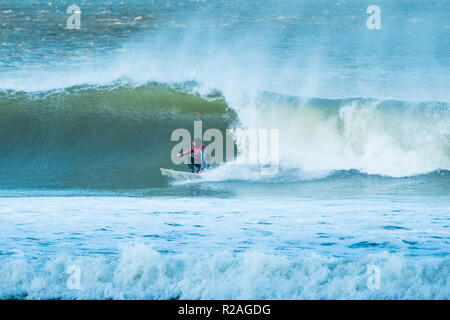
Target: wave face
(97, 137)
(117, 137)
(140, 272)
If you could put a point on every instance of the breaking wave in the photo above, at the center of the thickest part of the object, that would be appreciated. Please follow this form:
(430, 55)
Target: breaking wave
(140, 272)
(118, 136)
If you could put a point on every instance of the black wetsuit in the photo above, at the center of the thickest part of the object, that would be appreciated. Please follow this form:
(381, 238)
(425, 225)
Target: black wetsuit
(197, 160)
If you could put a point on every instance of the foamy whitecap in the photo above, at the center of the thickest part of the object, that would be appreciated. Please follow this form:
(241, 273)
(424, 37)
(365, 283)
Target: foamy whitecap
(139, 272)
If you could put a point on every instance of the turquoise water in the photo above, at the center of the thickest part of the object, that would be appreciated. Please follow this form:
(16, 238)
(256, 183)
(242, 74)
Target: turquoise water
(86, 118)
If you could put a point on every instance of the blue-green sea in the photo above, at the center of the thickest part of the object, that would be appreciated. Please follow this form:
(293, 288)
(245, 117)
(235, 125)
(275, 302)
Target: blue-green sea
(359, 207)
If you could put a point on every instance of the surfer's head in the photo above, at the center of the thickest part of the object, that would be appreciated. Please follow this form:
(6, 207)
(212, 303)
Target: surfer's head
(197, 143)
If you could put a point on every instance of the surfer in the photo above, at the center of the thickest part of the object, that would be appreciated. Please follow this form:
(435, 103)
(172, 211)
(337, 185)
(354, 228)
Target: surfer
(198, 154)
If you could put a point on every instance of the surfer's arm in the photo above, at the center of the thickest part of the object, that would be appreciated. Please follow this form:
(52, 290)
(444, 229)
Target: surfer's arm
(186, 152)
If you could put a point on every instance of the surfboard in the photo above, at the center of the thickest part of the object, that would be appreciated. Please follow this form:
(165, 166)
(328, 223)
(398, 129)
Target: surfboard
(179, 175)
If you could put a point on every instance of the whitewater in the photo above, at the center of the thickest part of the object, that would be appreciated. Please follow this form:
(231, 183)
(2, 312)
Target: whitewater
(86, 117)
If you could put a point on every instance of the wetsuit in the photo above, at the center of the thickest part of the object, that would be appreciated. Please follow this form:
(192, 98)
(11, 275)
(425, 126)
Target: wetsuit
(197, 158)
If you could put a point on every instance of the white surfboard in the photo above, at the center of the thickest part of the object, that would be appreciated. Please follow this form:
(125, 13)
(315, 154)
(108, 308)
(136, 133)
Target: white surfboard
(179, 175)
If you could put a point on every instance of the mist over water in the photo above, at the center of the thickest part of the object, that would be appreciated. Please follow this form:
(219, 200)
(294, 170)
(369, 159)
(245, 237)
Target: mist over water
(318, 49)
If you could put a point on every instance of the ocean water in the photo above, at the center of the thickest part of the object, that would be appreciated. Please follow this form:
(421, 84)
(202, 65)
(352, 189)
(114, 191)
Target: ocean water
(360, 206)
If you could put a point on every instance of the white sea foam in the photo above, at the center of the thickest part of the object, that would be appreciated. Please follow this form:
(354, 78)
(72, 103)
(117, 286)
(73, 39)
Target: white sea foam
(393, 141)
(139, 272)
